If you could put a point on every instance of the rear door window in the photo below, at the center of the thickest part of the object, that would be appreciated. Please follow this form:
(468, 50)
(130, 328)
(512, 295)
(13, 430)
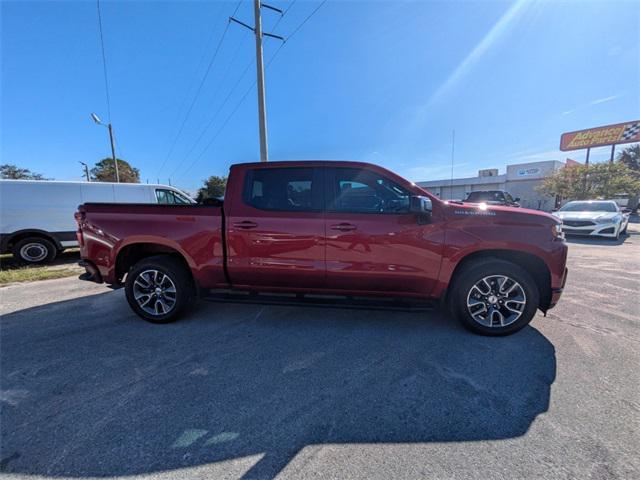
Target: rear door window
(284, 189)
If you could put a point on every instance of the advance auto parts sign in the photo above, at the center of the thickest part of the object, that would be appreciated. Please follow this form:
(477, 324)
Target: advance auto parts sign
(601, 136)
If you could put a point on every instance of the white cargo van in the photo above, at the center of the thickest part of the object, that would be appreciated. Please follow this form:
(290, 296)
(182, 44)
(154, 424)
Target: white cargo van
(36, 217)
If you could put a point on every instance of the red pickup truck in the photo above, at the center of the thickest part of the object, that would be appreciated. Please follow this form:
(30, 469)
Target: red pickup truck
(314, 228)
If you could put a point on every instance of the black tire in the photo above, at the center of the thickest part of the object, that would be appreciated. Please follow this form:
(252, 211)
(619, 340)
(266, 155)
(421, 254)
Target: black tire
(624, 231)
(34, 251)
(474, 273)
(179, 277)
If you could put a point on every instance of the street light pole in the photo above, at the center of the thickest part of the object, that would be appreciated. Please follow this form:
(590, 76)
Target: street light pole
(97, 120)
(113, 152)
(86, 170)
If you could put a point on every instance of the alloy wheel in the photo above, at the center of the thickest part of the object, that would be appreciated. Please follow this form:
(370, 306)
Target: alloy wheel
(496, 301)
(154, 292)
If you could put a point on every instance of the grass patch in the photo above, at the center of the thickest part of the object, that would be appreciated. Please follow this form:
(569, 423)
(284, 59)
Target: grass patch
(31, 274)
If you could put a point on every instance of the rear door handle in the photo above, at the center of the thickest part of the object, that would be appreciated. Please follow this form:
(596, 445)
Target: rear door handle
(246, 225)
(343, 227)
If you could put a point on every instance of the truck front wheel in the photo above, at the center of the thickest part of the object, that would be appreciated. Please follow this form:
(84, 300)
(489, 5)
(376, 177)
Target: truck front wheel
(494, 297)
(158, 288)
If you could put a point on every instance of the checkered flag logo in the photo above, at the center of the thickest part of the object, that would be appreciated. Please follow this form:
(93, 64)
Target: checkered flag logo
(631, 131)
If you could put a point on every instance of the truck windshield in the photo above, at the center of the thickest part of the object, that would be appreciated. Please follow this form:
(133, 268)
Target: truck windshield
(476, 197)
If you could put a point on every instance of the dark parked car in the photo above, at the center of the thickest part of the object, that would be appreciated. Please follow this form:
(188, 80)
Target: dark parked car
(493, 197)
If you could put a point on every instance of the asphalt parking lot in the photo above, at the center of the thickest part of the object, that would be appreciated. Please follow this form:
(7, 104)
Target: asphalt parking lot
(250, 391)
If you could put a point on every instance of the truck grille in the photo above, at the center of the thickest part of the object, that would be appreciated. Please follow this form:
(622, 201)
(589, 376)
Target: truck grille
(578, 223)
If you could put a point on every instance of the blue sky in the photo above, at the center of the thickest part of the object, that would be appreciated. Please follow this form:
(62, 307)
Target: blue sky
(383, 81)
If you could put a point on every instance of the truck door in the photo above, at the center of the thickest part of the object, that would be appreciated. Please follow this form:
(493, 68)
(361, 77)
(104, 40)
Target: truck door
(275, 228)
(374, 244)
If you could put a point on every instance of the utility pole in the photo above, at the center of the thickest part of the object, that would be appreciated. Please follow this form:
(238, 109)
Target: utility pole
(262, 106)
(86, 170)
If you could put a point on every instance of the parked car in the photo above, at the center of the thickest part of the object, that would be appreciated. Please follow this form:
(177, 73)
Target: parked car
(601, 218)
(36, 217)
(492, 197)
(329, 228)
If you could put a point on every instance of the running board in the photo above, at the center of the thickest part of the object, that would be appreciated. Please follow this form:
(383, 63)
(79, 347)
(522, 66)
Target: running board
(326, 301)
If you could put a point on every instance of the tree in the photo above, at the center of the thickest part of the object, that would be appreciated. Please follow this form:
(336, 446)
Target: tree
(105, 171)
(630, 156)
(214, 187)
(599, 180)
(12, 172)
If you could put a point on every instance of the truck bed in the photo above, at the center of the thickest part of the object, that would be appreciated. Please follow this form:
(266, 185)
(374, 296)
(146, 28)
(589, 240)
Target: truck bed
(193, 231)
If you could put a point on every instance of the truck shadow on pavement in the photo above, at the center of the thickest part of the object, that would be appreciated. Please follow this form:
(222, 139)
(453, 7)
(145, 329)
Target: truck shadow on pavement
(89, 389)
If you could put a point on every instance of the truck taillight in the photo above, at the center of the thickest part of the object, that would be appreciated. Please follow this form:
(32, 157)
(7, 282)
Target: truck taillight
(79, 216)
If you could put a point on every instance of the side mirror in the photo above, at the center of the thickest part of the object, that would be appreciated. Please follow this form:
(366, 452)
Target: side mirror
(420, 204)
(517, 199)
(555, 209)
(626, 210)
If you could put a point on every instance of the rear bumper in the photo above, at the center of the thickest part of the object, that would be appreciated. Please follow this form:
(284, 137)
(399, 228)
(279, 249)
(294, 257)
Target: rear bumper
(91, 274)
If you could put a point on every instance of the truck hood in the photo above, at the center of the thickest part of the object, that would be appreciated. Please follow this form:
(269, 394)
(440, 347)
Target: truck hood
(499, 212)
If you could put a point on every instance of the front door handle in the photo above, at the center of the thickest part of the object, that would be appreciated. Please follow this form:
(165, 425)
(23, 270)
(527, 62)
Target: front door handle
(245, 225)
(343, 227)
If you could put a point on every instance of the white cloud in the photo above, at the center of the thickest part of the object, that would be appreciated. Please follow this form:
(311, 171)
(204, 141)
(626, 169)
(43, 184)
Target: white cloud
(605, 99)
(597, 101)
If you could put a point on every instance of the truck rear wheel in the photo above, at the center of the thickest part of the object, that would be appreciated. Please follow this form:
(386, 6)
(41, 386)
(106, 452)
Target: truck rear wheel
(34, 250)
(494, 297)
(159, 288)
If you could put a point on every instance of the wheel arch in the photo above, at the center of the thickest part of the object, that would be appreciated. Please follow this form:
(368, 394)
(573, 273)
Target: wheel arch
(533, 264)
(132, 253)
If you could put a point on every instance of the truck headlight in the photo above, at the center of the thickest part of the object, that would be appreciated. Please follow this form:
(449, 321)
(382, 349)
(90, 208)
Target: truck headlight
(556, 231)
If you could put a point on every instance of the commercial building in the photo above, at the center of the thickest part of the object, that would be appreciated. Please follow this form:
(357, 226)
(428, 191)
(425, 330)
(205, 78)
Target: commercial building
(520, 180)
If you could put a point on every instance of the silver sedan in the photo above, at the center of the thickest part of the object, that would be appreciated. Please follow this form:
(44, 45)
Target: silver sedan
(601, 218)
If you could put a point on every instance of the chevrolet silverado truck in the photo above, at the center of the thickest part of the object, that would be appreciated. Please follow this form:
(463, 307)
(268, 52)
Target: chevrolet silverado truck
(321, 229)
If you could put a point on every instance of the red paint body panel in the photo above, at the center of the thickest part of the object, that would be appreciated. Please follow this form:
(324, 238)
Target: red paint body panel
(381, 254)
(195, 232)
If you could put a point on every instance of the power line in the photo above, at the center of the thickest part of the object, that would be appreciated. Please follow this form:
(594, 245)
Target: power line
(215, 115)
(201, 63)
(305, 20)
(246, 93)
(233, 89)
(104, 62)
(275, 25)
(197, 94)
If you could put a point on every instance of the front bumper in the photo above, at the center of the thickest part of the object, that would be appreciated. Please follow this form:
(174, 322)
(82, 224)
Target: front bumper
(594, 230)
(556, 293)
